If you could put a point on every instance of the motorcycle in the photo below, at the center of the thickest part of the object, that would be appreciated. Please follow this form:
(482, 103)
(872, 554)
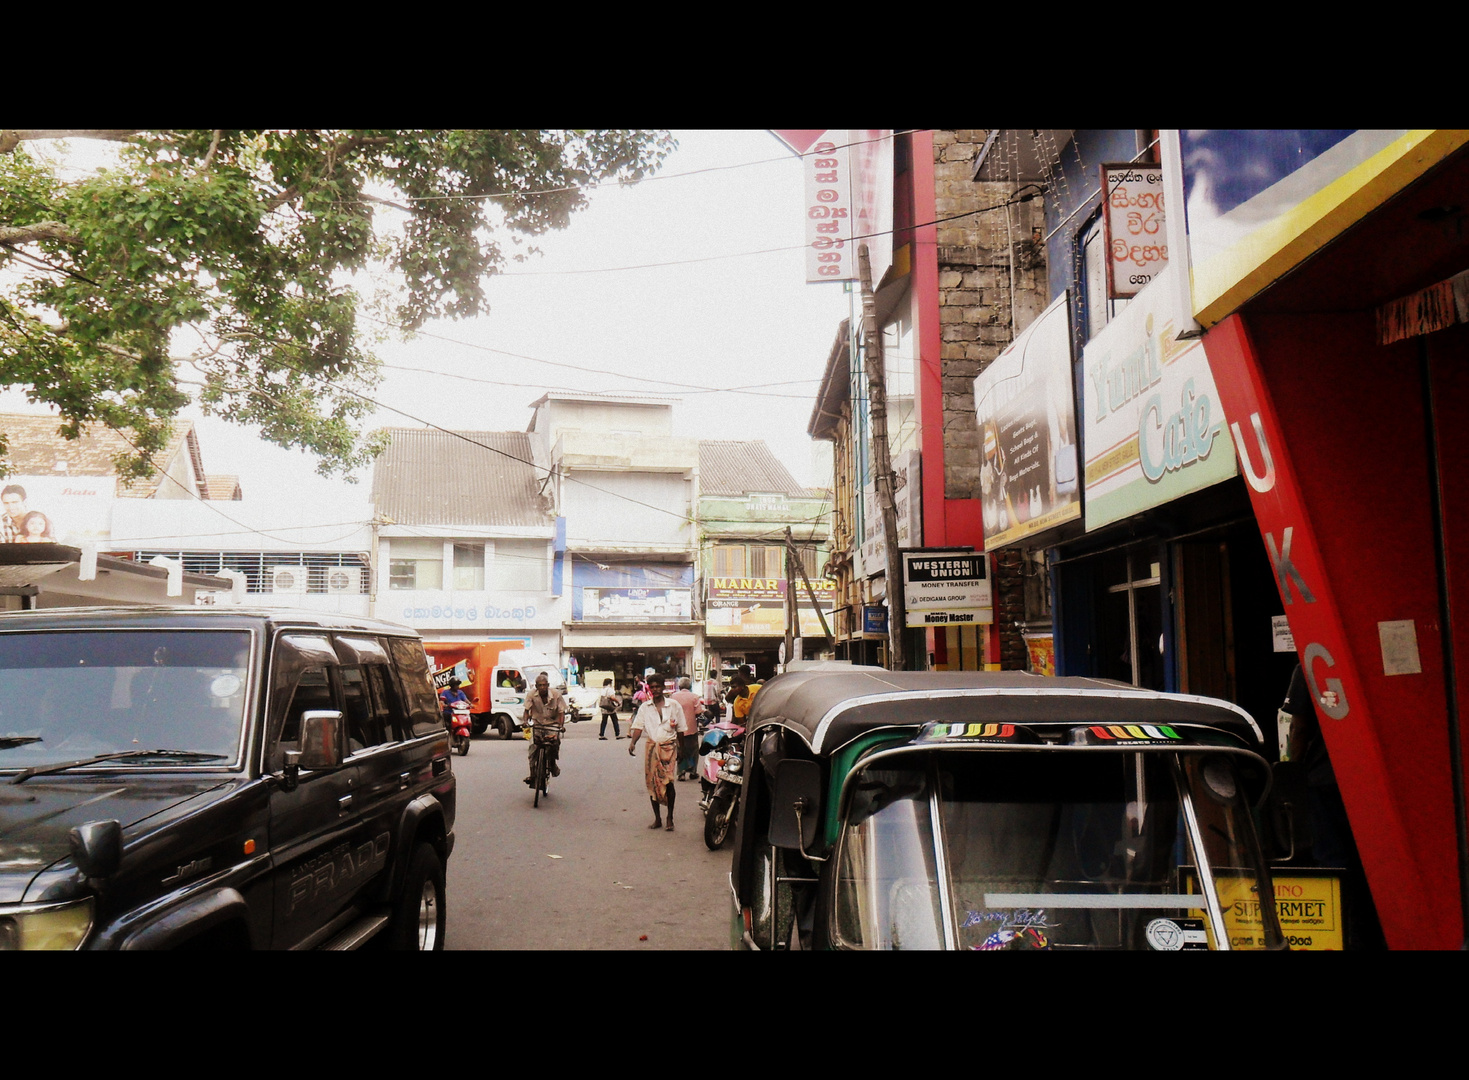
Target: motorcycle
(460, 724)
(720, 763)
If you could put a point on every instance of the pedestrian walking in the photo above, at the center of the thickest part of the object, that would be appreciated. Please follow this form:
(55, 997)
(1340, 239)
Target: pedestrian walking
(609, 704)
(688, 730)
(658, 719)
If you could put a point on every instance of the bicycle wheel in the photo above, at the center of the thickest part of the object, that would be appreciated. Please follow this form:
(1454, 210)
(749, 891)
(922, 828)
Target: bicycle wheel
(538, 775)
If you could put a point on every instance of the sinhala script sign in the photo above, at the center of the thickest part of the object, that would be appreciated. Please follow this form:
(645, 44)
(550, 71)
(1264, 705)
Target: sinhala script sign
(1137, 244)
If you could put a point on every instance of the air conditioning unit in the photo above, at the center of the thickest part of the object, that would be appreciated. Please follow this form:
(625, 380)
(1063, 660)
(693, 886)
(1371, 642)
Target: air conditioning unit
(288, 579)
(344, 579)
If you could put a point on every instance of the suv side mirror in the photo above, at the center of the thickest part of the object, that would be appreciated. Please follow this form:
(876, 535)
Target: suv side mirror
(321, 739)
(97, 847)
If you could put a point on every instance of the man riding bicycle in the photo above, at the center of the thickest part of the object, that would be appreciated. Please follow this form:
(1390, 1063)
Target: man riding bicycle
(545, 712)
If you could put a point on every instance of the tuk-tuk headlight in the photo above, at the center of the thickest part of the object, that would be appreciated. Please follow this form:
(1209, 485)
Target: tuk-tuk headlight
(52, 926)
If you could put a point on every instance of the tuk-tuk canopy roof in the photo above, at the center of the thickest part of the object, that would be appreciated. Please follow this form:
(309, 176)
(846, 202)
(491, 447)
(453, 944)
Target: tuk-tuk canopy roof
(829, 707)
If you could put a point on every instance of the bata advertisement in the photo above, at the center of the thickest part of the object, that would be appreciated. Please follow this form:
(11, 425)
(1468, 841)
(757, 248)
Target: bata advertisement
(745, 607)
(49, 510)
(1027, 428)
(1154, 426)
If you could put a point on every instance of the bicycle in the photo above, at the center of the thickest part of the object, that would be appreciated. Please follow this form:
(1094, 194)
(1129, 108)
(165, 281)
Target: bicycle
(540, 768)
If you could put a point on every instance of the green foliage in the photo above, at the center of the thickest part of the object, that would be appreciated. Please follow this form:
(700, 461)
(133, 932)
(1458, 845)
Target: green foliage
(232, 258)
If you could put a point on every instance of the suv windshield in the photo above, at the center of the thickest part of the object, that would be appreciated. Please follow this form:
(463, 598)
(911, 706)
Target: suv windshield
(1050, 849)
(68, 695)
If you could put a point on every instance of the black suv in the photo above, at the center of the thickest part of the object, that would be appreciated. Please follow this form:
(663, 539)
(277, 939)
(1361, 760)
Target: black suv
(219, 778)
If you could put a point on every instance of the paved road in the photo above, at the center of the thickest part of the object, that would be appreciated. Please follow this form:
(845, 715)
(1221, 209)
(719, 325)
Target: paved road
(613, 880)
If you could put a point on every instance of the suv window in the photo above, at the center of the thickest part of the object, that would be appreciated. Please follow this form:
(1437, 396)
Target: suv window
(422, 703)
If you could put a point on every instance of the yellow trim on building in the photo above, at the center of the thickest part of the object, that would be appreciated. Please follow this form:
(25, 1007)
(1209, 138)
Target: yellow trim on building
(1227, 281)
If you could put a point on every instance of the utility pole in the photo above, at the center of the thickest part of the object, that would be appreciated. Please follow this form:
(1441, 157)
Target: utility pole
(790, 607)
(882, 464)
(795, 556)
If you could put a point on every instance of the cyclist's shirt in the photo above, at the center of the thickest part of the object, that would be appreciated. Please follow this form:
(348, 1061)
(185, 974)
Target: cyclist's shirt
(546, 716)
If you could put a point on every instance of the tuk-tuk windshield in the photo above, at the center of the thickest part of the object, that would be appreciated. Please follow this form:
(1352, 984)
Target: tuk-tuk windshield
(1048, 850)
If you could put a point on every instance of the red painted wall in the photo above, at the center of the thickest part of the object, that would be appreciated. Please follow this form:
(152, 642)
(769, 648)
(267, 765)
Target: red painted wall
(1339, 462)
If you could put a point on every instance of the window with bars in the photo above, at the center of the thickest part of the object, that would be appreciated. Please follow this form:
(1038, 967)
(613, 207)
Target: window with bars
(270, 571)
(760, 560)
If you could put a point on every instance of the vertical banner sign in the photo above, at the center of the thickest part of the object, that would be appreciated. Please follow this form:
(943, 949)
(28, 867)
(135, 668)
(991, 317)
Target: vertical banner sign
(828, 168)
(1027, 428)
(1137, 245)
(849, 198)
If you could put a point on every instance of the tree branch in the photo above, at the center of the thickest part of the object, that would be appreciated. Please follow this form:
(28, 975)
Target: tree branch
(213, 146)
(10, 139)
(38, 230)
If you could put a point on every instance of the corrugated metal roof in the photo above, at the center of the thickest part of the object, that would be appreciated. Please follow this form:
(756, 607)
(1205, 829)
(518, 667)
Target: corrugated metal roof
(430, 477)
(739, 468)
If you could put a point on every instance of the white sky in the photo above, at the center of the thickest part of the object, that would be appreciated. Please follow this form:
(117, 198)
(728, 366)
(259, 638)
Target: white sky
(733, 320)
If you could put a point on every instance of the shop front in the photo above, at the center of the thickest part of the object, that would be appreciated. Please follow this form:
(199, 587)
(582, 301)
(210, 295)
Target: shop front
(629, 619)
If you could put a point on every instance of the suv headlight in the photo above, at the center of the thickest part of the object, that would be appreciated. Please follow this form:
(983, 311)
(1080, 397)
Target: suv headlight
(45, 926)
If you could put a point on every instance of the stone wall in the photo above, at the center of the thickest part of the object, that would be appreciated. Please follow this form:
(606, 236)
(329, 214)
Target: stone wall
(976, 303)
(981, 312)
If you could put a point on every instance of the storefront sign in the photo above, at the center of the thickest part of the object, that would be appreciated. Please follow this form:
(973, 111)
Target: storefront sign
(756, 607)
(809, 623)
(908, 502)
(1258, 201)
(1307, 904)
(946, 588)
(1027, 424)
(745, 607)
(635, 605)
(1153, 421)
(874, 621)
(1137, 244)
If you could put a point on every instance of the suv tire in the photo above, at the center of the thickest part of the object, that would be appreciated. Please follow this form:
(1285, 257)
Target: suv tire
(418, 921)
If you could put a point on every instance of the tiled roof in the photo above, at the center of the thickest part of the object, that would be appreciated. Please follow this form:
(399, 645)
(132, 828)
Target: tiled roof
(37, 449)
(430, 477)
(739, 468)
(222, 486)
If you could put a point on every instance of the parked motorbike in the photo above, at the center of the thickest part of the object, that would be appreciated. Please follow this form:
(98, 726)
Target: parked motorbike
(461, 724)
(721, 761)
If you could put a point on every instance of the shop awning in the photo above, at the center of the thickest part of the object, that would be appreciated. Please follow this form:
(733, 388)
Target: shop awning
(602, 638)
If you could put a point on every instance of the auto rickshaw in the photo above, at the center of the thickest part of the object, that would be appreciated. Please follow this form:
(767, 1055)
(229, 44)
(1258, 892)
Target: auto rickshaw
(997, 811)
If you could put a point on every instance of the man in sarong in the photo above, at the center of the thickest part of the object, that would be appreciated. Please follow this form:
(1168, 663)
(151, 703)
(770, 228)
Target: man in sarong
(658, 718)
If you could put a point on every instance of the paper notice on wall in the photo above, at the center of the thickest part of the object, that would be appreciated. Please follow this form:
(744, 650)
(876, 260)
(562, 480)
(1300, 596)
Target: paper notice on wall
(1399, 648)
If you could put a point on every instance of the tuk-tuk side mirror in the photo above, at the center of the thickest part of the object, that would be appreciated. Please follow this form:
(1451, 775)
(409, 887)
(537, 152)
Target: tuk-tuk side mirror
(795, 805)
